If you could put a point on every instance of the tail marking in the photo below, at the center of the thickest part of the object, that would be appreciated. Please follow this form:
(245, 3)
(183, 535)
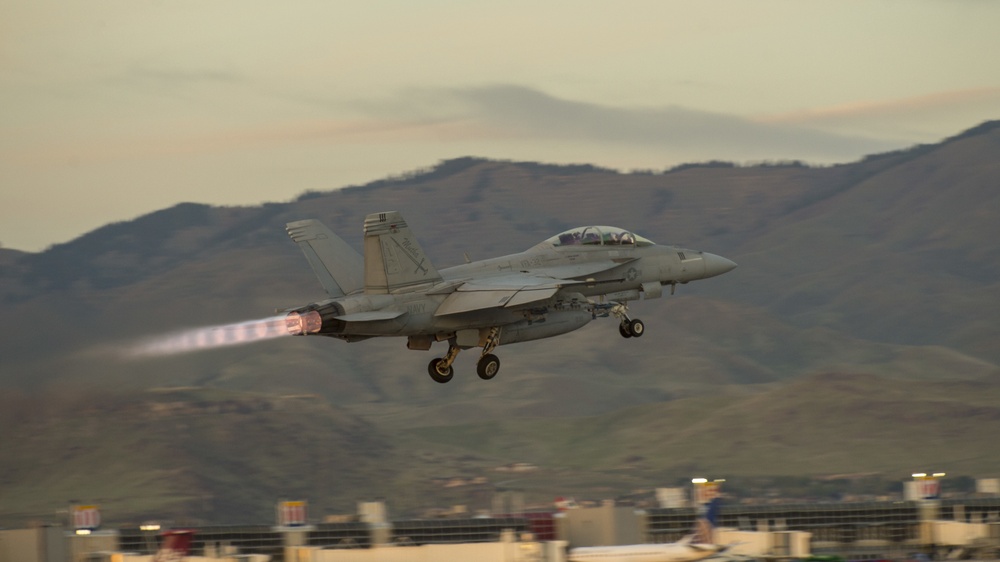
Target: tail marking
(393, 257)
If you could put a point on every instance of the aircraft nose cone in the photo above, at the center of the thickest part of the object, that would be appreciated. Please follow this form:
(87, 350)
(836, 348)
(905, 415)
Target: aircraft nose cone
(717, 265)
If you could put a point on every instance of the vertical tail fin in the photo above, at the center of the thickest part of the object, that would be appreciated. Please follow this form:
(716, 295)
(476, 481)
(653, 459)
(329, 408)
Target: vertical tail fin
(338, 266)
(393, 258)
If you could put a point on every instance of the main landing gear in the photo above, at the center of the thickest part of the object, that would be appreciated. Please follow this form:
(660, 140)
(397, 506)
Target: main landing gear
(487, 367)
(441, 371)
(440, 367)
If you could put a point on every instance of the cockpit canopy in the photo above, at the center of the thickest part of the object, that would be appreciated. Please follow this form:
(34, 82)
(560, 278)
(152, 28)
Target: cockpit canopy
(598, 236)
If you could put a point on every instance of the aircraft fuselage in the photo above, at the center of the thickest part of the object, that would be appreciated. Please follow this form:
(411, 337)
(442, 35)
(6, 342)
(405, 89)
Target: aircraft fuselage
(553, 288)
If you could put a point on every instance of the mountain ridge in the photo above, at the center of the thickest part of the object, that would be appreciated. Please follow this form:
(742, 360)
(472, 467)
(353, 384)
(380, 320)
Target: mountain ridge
(883, 272)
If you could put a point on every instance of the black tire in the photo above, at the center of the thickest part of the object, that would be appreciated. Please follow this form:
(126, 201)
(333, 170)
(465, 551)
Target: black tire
(623, 329)
(488, 366)
(436, 374)
(636, 328)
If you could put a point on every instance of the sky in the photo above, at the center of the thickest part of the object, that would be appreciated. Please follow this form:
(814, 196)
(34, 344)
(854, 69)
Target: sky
(110, 109)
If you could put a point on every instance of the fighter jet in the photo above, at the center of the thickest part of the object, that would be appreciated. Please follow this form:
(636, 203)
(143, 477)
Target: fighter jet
(553, 288)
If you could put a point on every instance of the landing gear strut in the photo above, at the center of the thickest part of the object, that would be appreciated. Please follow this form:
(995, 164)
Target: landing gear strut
(627, 327)
(440, 368)
(489, 364)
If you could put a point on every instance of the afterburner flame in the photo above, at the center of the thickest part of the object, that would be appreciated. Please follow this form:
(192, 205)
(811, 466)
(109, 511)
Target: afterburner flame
(300, 324)
(211, 337)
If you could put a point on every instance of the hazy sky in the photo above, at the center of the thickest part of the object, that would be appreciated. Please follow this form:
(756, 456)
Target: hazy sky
(114, 108)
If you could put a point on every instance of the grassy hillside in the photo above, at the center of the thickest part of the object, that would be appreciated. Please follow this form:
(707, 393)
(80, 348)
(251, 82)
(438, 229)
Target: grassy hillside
(191, 452)
(817, 425)
(885, 270)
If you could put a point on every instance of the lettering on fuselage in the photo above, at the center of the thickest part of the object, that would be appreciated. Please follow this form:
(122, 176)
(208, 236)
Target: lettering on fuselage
(533, 262)
(416, 307)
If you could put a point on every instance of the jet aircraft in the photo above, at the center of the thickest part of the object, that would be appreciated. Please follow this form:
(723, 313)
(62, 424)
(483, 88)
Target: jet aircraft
(552, 288)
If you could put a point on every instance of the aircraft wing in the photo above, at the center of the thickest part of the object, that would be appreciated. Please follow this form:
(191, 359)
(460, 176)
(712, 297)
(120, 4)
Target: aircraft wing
(575, 270)
(372, 316)
(505, 291)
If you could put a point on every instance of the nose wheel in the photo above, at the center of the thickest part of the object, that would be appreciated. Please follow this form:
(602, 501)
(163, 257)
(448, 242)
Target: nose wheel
(627, 327)
(635, 328)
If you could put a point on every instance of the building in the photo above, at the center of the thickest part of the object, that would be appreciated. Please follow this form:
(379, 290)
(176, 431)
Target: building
(866, 530)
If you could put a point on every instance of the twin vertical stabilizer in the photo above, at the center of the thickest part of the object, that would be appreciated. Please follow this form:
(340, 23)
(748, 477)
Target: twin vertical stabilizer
(337, 265)
(393, 257)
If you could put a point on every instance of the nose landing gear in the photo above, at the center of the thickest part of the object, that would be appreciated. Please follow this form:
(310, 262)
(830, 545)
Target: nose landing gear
(627, 327)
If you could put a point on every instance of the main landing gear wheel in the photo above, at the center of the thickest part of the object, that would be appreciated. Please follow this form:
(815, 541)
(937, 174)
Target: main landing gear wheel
(488, 366)
(438, 372)
(624, 331)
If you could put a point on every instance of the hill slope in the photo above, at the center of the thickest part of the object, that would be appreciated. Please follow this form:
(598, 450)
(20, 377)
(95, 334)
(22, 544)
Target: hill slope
(816, 425)
(887, 267)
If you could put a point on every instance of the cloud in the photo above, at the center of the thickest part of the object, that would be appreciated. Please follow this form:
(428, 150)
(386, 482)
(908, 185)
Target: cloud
(479, 116)
(140, 82)
(505, 113)
(938, 101)
(917, 119)
(163, 76)
(511, 110)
